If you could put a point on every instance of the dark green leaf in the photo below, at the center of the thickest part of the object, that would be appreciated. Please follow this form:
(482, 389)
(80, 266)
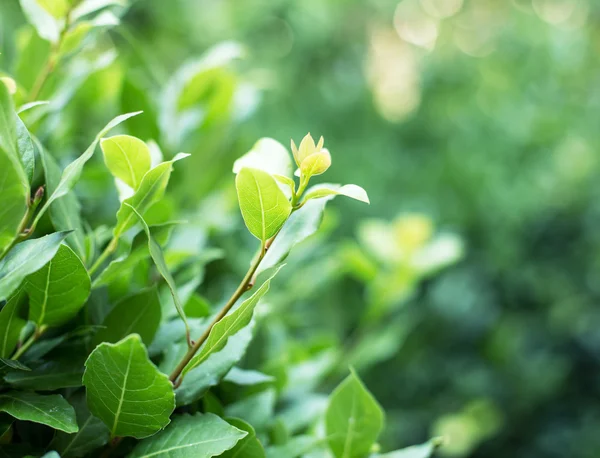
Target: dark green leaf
(10, 324)
(51, 375)
(51, 410)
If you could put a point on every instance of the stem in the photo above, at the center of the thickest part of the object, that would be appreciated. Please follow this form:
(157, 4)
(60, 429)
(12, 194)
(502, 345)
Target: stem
(29, 342)
(110, 248)
(22, 231)
(244, 286)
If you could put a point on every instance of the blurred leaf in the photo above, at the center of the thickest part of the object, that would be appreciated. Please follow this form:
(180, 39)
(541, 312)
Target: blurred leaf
(26, 258)
(12, 364)
(257, 409)
(349, 190)
(264, 206)
(51, 410)
(353, 419)
(51, 375)
(145, 396)
(139, 313)
(127, 157)
(247, 377)
(58, 290)
(86, 7)
(191, 436)
(267, 155)
(47, 26)
(425, 450)
(10, 324)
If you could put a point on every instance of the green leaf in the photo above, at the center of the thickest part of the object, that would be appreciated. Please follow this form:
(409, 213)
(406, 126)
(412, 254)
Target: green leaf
(210, 373)
(26, 258)
(127, 158)
(249, 446)
(353, 420)
(64, 212)
(86, 7)
(228, 326)
(46, 25)
(295, 447)
(263, 204)
(25, 147)
(247, 377)
(267, 155)
(425, 450)
(92, 432)
(139, 313)
(58, 290)
(349, 190)
(257, 409)
(51, 375)
(51, 410)
(73, 171)
(197, 436)
(316, 163)
(10, 324)
(126, 391)
(150, 190)
(161, 265)
(13, 364)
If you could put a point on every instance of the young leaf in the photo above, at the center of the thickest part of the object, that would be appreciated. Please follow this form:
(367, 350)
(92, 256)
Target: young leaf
(353, 420)
(10, 325)
(425, 450)
(139, 313)
(249, 446)
(51, 410)
(25, 258)
(316, 164)
(197, 436)
(349, 190)
(126, 391)
(151, 189)
(267, 155)
(92, 432)
(58, 290)
(46, 25)
(228, 326)
(127, 158)
(73, 171)
(264, 206)
(159, 260)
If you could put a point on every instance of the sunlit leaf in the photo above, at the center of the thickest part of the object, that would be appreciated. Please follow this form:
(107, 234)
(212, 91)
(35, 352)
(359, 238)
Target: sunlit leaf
(127, 157)
(267, 155)
(47, 26)
(349, 190)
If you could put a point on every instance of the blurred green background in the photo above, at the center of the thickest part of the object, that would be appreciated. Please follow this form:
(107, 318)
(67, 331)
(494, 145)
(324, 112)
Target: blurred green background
(477, 118)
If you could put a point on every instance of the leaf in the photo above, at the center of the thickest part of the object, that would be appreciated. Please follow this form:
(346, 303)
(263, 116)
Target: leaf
(197, 436)
(64, 212)
(316, 164)
(10, 325)
(267, 155)
(127, 158)
(249, 446)
(210, 373)
(139, 313)
(353, 419)
(126, 391)
(73, 171)
(161, 265)
(51, 410)
(228, 326)
(46, 25)
(58, 290)
(25, 148)
(86, 7)
(26, 258)
(92, 432)
(247, 377)
(263, 204)
(257, 409)
(425, 450)
(51, 375)
(150, 190)
(349, 190)
(295, 447)
(13, 364)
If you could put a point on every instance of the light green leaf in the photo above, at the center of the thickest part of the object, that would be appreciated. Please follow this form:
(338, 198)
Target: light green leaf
(257, 409)
(73, 171)
(126, 391)
(349, 190)
(51, 410)
(58, 290)
(197, 436)
(161, 265)
(249, 446)
(316, 164)
(246, 377)
(139, 313)
(425, 450)
(210, 373)
(267, 155)
(295, 447)
(228, 326)
(25, 147)
(353, 420)
(263, 204)
(52, 454)
(28, 106)
(26, 258)
(10, 324)
(64, 212)
(127, 158)
(51, 375)
(86, 7)
(150, 190)
(46, 25)
(92, 432)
